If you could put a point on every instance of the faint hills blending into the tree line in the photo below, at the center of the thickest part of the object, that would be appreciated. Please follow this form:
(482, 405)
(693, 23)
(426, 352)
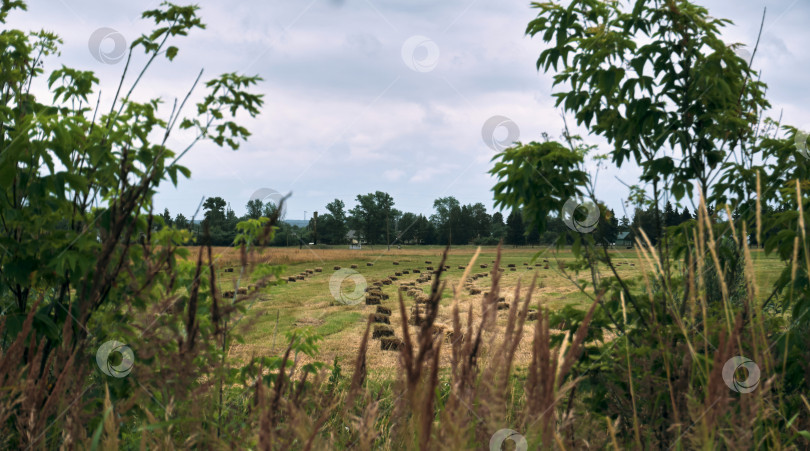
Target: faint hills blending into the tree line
(300, 223)
(375, 221)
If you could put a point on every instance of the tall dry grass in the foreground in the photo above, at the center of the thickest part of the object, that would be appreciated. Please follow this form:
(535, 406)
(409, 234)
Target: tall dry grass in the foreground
(656, 384)
(664, 383)
(421, 417)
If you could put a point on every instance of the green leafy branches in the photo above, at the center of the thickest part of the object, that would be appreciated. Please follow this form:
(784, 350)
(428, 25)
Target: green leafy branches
(171, 20)
(228, 94)
(541, 177)
(648, 78)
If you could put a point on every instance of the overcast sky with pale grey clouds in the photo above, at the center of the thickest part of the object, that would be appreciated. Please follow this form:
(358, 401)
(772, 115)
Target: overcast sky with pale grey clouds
(390, 95)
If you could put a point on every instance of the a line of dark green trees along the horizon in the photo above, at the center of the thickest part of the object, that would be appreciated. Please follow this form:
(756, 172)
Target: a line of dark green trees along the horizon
(375, 221)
